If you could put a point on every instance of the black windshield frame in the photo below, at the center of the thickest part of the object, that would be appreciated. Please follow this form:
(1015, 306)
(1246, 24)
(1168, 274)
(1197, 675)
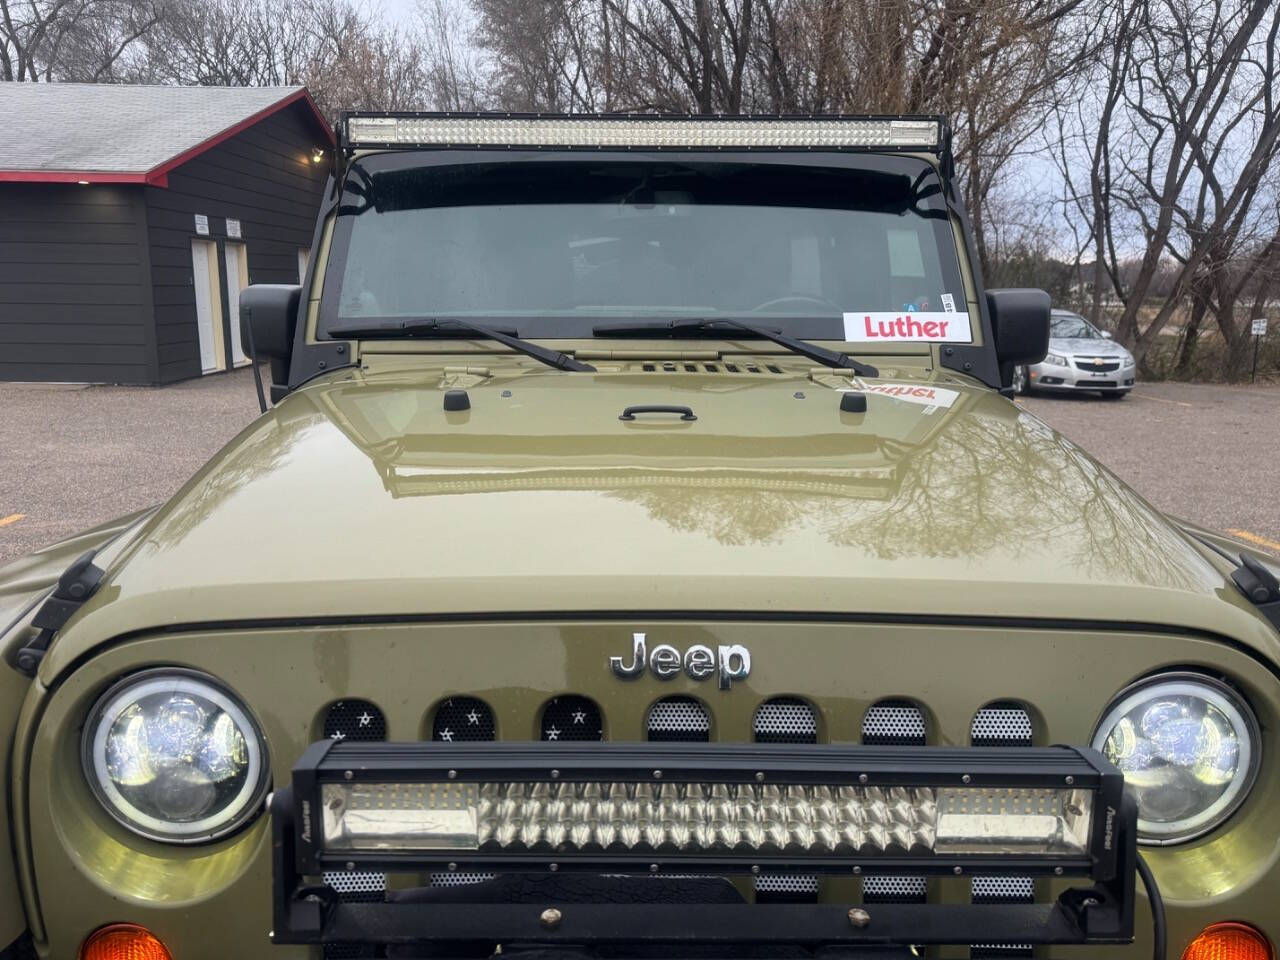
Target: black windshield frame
(931, 202)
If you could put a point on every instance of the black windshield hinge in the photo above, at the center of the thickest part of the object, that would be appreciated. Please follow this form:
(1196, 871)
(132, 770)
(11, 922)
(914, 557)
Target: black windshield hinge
(1261, 587)
(76, 585)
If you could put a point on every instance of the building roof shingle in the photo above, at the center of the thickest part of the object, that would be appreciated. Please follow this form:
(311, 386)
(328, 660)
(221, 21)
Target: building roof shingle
(127, 133)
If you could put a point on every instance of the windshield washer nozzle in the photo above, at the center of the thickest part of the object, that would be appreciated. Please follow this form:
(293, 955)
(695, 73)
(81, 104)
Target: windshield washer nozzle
(853, 403)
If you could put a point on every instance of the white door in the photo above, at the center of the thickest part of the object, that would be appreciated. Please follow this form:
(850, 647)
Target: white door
(237, 280)
(202, 254)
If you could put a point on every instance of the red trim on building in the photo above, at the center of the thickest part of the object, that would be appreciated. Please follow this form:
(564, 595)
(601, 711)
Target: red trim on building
(69, 176)
(158, 176)
(163, 169)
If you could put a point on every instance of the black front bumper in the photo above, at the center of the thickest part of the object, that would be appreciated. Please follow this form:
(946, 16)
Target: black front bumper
(467, 923)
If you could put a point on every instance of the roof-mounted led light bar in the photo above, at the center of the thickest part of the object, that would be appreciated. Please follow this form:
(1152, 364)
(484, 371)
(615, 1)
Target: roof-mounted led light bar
(640, 132)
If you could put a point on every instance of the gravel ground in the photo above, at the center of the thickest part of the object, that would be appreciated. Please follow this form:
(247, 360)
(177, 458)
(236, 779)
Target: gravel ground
(76, 456)
(1203, 452)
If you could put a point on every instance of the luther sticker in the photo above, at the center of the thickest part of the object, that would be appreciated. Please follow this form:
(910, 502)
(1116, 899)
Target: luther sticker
(905, 327)
(926, 395)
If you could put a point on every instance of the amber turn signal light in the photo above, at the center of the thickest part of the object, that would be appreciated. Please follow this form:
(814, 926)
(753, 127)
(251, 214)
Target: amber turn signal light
(124, 941)
(1229, 941)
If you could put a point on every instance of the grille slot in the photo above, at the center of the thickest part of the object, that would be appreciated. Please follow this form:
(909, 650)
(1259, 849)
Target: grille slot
(1002, 890)
(354, 720)
(893, 723)
(894, 889)
(461, 719)
(898, 723)
(356, 887)
(358, 720)
(786, 888)
(1086, 363)
(678, 719)
(1003, 724)
(571, 717)
(459, 878)
(687, 366)
(785, 720)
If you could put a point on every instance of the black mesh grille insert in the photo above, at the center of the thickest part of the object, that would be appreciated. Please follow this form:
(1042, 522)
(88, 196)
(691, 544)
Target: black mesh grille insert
(678, 718)
(1002, 890)
(785, 720)
(355, 720)
(1002, 724)
(571, 718)
(894, 889)
(786, 888)
(459, 878)
(893, 723)
(463, 718)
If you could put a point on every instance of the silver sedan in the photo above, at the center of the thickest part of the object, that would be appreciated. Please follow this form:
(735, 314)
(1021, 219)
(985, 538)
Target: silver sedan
(1080, 357)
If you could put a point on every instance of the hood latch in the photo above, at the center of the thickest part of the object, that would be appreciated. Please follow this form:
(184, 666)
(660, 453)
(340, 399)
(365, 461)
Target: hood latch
(1260, 585)
(76, 585)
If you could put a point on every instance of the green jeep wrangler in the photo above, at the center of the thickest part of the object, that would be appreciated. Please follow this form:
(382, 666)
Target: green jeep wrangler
(642, 558)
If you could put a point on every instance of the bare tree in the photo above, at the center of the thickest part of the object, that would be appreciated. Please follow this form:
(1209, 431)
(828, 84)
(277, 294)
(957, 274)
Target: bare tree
(990, 65)
(83, 40)
(1177, 155)
(347, 56)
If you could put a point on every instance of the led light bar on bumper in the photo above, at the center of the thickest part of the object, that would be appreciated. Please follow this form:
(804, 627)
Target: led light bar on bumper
(628, 132)
(702, 818)
(679, 809)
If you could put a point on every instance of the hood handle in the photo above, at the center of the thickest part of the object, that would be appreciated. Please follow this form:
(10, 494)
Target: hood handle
(686, 413)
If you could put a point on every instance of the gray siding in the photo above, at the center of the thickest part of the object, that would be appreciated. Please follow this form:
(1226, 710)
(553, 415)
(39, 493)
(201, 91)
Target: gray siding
(75, 299)
(263, 177)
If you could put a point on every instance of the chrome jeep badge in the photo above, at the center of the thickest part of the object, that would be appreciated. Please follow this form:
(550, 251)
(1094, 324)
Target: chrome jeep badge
(729, 661)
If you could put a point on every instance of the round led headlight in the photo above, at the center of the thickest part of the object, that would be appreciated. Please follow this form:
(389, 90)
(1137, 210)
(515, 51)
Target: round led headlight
(175, 757)
(1188, 747)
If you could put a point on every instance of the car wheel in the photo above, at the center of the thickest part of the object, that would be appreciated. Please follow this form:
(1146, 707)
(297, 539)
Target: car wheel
(1113, 394)
(1021, 382)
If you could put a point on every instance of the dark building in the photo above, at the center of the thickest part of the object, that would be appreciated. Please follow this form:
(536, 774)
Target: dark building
(131, 217)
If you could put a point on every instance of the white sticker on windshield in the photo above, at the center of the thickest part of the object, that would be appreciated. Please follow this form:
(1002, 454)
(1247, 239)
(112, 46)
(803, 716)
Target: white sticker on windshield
(911, 393)
(926, 327)
(948, 303)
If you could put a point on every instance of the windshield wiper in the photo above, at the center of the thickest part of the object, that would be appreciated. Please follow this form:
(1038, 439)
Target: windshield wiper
(694, 327)
(428, 326)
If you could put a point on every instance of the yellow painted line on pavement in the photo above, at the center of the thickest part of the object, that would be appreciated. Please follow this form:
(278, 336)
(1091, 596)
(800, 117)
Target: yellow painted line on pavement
(1147, 396)
(1242, 534)
(11, 518)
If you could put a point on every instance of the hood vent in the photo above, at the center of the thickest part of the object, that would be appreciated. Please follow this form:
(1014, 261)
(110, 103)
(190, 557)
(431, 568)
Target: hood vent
(703, 366)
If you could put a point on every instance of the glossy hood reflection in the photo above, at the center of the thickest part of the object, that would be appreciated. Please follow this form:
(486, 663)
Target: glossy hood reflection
(364, 497)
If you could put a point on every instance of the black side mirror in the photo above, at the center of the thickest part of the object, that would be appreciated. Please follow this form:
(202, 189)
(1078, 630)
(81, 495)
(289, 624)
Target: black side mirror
(1020, 323)
(268, 319)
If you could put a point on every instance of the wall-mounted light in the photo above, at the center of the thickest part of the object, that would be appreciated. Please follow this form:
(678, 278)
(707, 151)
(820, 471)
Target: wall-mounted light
(83, 183)
(317, 155)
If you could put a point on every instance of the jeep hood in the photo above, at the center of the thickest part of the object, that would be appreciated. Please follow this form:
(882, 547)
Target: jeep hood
(359, 496)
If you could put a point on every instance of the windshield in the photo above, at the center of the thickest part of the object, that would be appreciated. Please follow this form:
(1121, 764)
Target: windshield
(552, 246)
(1068, 326)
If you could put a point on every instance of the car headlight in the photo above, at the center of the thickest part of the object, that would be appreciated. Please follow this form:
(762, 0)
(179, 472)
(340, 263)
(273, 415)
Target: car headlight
(173, 756)
(1055, 359)
(1128, 362)
(1188, 748)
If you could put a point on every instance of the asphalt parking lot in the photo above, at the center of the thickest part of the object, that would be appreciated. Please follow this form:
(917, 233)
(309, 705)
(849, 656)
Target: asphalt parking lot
(72, 457)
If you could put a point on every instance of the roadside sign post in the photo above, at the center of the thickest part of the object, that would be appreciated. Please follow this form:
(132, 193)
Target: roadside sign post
(1259, 331)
